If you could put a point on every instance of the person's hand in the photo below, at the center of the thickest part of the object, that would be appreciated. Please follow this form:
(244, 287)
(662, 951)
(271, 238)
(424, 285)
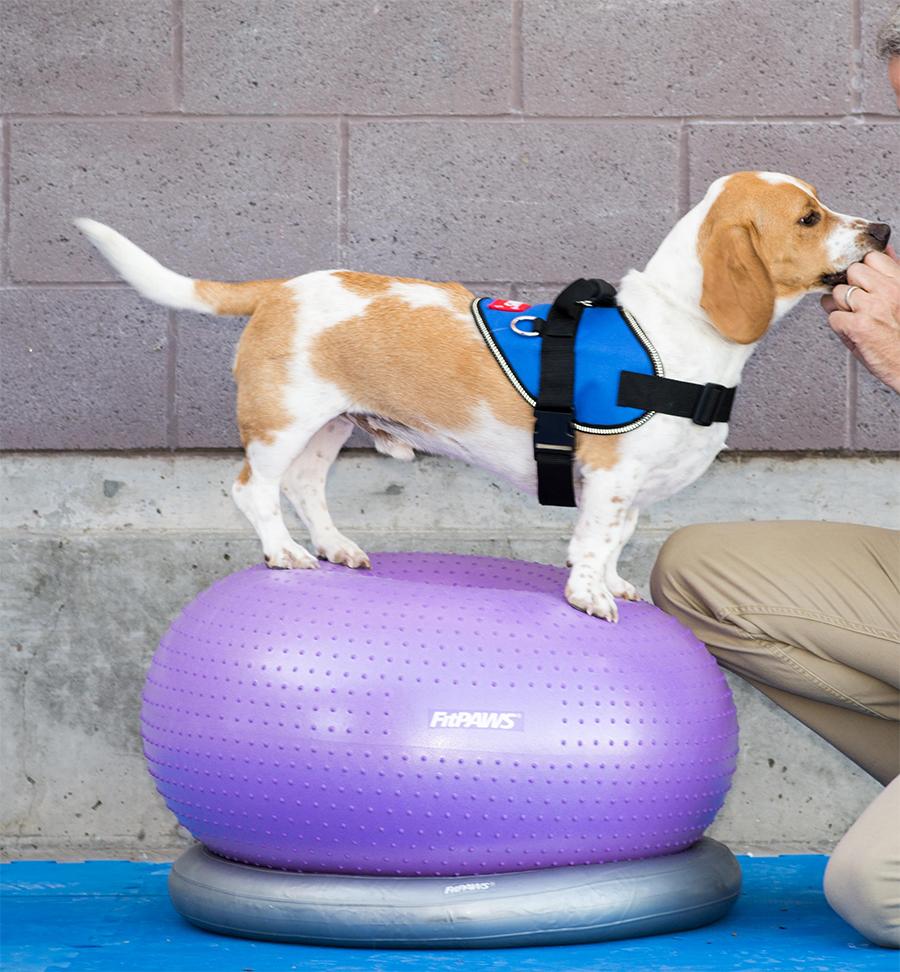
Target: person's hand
(869, 322)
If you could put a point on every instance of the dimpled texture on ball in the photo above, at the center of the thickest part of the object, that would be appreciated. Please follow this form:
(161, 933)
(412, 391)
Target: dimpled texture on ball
(437, 715)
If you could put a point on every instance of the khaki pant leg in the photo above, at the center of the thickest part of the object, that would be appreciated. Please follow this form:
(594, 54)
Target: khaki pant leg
(809, 613)
(872, 743)
(862, 881)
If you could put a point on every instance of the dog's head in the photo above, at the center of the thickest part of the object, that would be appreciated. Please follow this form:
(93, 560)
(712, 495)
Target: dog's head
(765, 241)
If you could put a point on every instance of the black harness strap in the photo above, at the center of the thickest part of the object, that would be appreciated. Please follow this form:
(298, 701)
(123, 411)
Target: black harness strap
(554, 436)
(554, 410)
(702, 404)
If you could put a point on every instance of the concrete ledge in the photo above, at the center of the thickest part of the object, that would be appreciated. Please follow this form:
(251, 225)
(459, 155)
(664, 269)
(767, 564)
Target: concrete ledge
(78, 492)
(100, 552)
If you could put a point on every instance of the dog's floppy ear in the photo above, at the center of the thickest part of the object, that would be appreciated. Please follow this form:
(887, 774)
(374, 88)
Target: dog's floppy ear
(738, 294)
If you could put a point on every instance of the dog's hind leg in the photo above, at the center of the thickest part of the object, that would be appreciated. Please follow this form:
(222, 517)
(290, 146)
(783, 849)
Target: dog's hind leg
(257, 493)
(304, 485)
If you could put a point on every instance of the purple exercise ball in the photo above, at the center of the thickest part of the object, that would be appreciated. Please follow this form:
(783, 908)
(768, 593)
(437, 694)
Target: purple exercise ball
(437, 715)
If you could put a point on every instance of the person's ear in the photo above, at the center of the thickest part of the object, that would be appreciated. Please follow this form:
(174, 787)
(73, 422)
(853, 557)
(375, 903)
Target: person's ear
(738, 295)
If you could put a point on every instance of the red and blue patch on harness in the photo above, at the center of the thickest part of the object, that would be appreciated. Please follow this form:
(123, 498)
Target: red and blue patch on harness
(608, 342)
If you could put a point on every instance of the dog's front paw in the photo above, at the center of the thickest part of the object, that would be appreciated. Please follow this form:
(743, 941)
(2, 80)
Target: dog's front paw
(588, 594)
(292, 557)
(340, 550)
(621, 588)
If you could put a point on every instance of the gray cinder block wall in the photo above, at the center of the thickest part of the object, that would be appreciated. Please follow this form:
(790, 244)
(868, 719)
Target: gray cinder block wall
(511, 144)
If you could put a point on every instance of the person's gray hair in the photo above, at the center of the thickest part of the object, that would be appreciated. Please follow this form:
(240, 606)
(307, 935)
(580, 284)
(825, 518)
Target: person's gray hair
(888, 43)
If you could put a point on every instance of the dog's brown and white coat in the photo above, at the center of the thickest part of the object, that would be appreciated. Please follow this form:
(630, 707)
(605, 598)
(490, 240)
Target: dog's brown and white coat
(402, 359)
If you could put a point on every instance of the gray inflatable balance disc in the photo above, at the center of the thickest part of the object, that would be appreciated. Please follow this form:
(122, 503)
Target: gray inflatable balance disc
(554, 906)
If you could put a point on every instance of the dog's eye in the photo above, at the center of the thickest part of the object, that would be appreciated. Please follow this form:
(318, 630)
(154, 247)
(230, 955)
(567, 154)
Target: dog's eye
(810, 219)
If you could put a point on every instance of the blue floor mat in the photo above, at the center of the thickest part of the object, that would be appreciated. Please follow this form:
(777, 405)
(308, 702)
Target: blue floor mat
(115, 915)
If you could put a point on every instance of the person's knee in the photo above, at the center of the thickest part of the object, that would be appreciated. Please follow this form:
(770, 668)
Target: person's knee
(679, 561)
(859, 890)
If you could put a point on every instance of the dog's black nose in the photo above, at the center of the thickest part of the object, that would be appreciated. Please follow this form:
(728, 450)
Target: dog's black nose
(880, 232)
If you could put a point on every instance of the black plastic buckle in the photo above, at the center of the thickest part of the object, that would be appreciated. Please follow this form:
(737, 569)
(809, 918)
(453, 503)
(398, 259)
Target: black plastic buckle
(553, 431)
(707, 404)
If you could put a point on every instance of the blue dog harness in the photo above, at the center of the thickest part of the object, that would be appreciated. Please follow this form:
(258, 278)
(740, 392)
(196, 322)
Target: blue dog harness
(584, 364)
(608, 341)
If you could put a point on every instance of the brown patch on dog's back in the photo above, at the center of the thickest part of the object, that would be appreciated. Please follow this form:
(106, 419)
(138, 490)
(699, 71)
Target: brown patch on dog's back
(424, 367)
(261, 366)
(376, 285)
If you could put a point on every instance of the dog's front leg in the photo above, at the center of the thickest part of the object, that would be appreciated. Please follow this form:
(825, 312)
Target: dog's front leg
(605, 523)
(618, 586)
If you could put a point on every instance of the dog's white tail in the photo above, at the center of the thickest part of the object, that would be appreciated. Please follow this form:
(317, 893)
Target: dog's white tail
(150, 278)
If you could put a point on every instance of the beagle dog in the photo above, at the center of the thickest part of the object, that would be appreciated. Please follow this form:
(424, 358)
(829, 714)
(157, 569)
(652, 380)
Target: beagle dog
(402, 359)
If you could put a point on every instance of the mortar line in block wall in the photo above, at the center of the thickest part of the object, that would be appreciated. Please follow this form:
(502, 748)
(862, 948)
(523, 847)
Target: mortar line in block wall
(856, 80)
(343, 192)
(671, 120)
(177, 10)
(852, 393)
(684, 169)
(161, 117)
(67, 285)
(516, 55)
(5, 176)
(171, 381)
(500, 286)
(234, 452)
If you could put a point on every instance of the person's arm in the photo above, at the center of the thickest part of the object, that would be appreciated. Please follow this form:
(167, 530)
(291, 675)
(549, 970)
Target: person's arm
(869, 325)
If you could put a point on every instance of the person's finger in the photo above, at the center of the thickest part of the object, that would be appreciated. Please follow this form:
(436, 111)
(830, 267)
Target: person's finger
(860, 275)
(891, 252)
(857, 299)
(841, 322)
(882, 263)
(829, 303)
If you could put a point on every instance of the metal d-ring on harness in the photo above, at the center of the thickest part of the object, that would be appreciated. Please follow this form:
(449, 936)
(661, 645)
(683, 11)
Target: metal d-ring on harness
(554, 415)
(513, 325)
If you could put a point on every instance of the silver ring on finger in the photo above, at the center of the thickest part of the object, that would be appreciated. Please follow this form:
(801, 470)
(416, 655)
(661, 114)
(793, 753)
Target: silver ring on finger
(847, 297)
